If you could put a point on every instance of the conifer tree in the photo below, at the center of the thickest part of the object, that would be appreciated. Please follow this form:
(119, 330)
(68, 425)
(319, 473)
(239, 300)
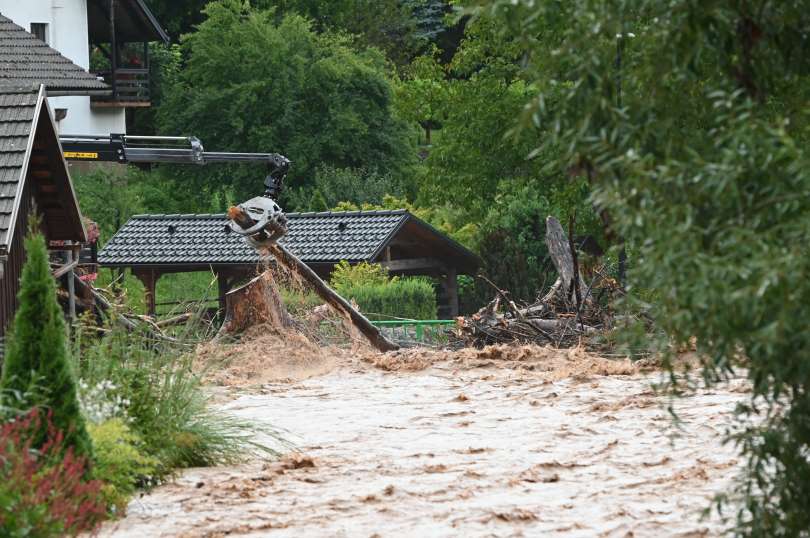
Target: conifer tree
(37, 362)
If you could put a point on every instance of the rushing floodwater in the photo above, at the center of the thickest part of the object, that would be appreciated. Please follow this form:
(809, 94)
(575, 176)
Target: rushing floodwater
(469, 452)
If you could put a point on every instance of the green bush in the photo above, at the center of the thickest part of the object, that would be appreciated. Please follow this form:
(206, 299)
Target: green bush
(382, 297)
(120, 462)
(165, 403)
(410, 298)
(346, 276)
(37, 357)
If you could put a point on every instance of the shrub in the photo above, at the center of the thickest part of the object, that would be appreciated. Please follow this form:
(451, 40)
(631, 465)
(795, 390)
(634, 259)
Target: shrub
(166, 405)
(37, 351)
(120, 462)
(411, 298)
(43, 492)
(382, 297)
(346, 276)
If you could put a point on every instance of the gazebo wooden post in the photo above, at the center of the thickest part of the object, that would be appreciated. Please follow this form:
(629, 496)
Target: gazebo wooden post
(149, 277)
(223, 286)
(451, 285)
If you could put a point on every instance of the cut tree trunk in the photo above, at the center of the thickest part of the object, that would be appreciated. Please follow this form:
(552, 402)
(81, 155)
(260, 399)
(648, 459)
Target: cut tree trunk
(252, 304)
(295, 266)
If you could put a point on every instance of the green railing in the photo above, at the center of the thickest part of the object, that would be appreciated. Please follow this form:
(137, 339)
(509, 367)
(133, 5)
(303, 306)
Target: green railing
(415, 330)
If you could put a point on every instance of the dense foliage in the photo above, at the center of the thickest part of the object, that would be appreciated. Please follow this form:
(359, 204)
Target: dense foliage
(151, 385)
(37, 362)
(381, 297)
(699, 157)
(120, 462)
(309, 95)
(43, 491)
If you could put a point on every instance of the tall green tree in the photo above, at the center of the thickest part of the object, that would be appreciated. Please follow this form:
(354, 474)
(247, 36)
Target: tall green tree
(253, 82)
(475, 164)
(391, 26)
(690, 120)
(37, 363)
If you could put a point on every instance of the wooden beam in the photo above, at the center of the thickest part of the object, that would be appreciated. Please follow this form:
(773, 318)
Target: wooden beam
(222, 284)
(149, 278)
(451, 285)
(415, 264)
(71, 264)
(296, 266)
(120, 104)
(60, 271)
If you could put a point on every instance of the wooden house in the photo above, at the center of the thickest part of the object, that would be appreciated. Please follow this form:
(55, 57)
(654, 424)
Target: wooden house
(33, 180)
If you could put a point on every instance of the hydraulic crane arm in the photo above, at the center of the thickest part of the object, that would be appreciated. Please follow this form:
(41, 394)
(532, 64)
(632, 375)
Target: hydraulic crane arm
(124, 149)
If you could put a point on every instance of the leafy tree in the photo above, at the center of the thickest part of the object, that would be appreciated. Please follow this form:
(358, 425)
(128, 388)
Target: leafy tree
(690, 120)
(475, 165)
(422, 94)
(388, 25)
(359, 186)
(178, 17)
(309, 96)
(37, 361)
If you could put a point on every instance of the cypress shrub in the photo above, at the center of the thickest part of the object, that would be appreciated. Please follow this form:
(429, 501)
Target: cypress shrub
(37, 362)
(411, 298)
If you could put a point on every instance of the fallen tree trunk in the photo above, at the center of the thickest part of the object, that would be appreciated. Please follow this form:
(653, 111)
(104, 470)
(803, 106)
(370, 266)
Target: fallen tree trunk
(295, 266)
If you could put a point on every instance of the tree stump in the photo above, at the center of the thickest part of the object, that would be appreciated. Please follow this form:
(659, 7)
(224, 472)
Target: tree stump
(559, 249)
(263, 242)
(255, 303)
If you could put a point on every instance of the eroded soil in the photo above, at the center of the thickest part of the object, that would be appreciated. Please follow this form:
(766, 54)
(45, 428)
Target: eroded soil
(470, 446)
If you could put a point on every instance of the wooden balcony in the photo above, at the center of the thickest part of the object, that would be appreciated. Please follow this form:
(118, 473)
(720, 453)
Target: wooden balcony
(130, 88)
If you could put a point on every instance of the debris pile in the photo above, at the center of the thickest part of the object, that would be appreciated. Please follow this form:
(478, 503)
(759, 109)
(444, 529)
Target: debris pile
(565, 316)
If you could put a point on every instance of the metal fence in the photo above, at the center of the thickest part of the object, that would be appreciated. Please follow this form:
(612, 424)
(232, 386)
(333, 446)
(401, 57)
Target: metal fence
(416, 331)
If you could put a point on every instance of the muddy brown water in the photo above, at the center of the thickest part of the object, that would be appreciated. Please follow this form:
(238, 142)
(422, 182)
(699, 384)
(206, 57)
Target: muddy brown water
(461, 452)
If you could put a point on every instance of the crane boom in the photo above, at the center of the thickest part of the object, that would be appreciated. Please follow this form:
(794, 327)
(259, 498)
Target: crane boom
(123, 149)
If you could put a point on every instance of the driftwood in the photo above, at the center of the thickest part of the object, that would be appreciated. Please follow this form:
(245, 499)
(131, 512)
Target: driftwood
(176, 320)
(295, 266)
(128, 321)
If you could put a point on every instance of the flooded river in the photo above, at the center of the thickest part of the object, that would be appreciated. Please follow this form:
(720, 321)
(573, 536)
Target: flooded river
(481, 450)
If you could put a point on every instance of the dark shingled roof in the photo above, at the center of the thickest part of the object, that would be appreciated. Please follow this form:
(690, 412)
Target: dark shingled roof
(324, 238)
(17, 109)
(30, 151)
(27, 61)
(203, 239)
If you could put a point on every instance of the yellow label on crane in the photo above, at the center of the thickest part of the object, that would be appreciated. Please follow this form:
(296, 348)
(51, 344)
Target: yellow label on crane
(81, 155)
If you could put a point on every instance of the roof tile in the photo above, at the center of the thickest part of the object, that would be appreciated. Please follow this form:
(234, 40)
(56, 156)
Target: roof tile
(203, 239)
(27, 61)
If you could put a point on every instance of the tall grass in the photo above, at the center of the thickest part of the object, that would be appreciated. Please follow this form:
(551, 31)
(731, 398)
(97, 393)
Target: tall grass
(167, 406)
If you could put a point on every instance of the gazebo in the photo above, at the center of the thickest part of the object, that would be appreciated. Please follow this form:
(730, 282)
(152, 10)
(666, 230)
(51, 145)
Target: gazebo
(155, 245)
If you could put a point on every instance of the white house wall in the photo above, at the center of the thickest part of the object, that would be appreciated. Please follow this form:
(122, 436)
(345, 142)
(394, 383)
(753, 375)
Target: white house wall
(81, 119)
(68, 33)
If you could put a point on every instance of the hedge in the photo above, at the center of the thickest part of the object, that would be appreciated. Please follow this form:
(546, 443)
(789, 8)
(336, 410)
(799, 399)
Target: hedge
(411, 298)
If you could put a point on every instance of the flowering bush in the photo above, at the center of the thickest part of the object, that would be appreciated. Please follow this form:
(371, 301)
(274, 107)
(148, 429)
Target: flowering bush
(43, 492)
(102, 401)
